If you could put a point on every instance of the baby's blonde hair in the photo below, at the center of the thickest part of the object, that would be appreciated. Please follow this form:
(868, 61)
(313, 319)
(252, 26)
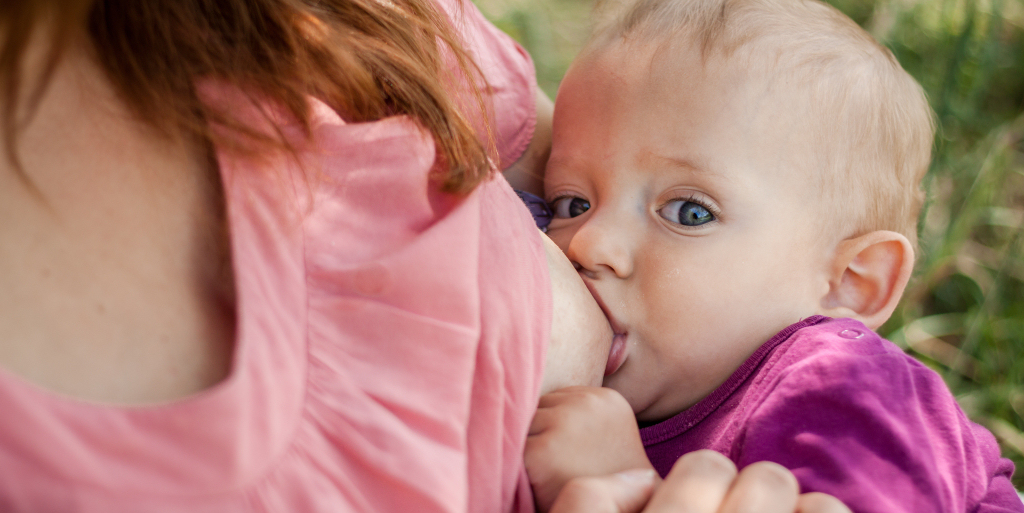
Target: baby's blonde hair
(872, 125)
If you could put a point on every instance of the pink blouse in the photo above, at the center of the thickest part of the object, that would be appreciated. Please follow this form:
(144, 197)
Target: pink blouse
(390, 342)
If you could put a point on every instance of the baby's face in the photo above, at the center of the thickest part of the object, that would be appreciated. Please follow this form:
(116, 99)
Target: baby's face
(680, 194)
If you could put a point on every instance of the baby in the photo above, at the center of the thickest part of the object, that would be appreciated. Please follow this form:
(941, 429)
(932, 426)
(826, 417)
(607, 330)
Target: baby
(738, 184)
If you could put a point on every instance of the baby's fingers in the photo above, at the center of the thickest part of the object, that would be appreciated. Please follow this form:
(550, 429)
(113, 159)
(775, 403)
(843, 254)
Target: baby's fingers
(820, 503)
(625, 492)
(763, 487)
(698, 483)
(577, 404)
(576, 395)
(543, 420)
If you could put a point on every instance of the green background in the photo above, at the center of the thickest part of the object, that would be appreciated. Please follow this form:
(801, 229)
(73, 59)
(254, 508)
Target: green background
(963, 313)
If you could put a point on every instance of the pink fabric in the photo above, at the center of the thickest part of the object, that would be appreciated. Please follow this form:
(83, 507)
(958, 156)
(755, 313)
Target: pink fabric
(513, 116)
(389, 349)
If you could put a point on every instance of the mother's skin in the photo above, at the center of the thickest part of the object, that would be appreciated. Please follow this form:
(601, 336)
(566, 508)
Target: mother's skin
(114, 264)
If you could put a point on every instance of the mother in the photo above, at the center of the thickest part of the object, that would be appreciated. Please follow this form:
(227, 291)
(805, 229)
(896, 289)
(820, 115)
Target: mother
(252, 259)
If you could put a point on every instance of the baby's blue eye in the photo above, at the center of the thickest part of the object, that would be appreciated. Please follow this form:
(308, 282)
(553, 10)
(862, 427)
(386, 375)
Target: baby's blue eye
(686, 213)
(569, 206)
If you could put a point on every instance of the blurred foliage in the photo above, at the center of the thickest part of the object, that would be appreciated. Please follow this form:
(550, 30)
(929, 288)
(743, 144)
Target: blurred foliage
(963, 314)
(553, 31)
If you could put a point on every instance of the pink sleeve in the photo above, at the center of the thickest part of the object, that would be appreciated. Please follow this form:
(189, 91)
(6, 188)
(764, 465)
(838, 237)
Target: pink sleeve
(511, 84)
(445, 302)
(429, 318)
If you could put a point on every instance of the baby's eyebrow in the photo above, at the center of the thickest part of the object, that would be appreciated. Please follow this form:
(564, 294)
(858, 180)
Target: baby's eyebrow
(694, 164)
(697, 164)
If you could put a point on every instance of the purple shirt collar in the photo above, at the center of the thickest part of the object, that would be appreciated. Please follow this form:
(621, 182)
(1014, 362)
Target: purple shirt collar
(691, 416)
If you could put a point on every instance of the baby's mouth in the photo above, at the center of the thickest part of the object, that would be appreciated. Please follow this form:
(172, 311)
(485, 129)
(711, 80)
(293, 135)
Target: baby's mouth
(616, 354)
(617, 351)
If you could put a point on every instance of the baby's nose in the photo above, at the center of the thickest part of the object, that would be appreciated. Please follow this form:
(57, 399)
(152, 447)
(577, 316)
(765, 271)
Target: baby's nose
(601, 246)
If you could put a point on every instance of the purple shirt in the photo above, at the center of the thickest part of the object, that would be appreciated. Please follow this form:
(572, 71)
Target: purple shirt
(851, 415)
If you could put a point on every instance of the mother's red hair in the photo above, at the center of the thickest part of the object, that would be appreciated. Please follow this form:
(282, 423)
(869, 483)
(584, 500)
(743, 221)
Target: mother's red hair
(368, 59)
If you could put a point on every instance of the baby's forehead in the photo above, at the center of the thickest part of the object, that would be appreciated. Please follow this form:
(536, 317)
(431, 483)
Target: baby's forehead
(758, 71)
(742, 88)
(709, 101)
(798, 43)
(808, 66)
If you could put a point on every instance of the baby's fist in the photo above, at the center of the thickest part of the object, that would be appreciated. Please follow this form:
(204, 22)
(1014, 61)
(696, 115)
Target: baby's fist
(580, 431)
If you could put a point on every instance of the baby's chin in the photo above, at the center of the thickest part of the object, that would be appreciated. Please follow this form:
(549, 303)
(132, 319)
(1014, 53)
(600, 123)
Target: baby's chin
(648, 405)
(622, 384)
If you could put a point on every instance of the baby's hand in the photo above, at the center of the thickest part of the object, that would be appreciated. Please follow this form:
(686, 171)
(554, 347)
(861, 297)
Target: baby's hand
(580, 431)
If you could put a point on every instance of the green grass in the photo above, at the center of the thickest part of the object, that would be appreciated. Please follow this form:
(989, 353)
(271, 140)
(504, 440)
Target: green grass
(963, 314)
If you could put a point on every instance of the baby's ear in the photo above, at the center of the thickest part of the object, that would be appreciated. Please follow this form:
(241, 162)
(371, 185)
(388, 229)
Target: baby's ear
(868, 276)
